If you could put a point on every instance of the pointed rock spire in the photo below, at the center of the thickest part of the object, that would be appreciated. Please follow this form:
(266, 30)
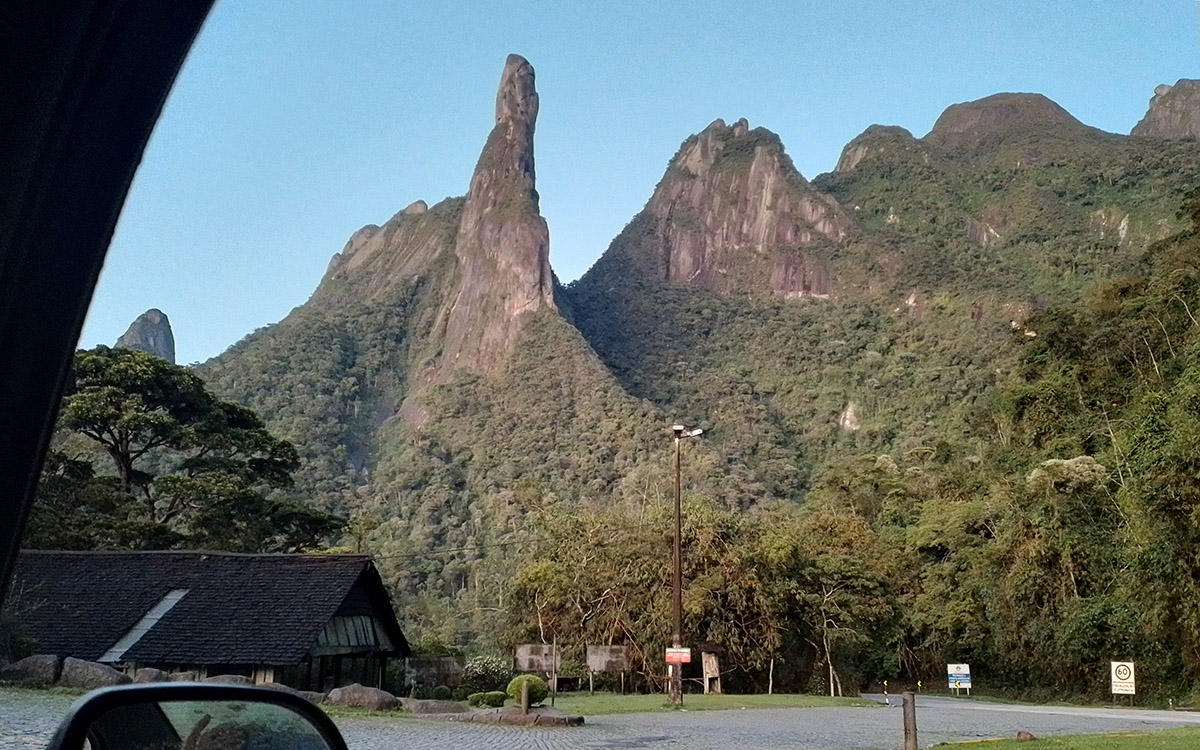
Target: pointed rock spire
(503, 244)
(150, 333)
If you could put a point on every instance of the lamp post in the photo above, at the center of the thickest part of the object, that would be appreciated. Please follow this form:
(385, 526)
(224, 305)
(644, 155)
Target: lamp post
(676, 668)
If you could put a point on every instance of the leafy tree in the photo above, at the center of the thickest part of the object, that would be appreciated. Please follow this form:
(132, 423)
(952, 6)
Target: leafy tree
(189, 470)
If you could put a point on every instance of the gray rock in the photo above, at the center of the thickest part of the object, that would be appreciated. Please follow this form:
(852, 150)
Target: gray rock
(1174, 112)
(503, 243)
(432, 707)
(189, 676)
(364, 697)
(39, 669)
(230, 679)
(150, 674)
(88, 675)
(313, 697)
(542, 716)
(280, 687)
(150, 333)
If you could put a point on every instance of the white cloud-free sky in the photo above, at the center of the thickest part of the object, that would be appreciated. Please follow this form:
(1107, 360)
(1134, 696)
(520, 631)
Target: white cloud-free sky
(294, 123)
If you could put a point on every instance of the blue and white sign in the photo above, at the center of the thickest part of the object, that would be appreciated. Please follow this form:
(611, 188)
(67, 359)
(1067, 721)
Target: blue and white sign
(959, 676)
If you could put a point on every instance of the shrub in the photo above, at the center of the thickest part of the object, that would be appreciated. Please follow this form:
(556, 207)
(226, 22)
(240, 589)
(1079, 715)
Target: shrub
(460, 693)
(492, 699)
(538, 689)
(484, 673)
(442, 693)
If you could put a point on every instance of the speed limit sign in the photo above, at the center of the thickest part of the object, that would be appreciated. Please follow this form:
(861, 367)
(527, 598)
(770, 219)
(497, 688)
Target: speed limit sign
(1123, 680)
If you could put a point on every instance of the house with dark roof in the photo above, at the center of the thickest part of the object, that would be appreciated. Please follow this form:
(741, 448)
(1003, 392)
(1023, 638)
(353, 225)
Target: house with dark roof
(313, 622)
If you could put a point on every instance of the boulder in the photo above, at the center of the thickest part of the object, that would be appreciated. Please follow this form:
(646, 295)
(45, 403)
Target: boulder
(364, 697)
(150, 674)
(542, 716)
(88, 675)
(432, 707)
(188, 676)
(1024, 736)
(230, 679)
(39, 669)
(280, 687)
(313, 697)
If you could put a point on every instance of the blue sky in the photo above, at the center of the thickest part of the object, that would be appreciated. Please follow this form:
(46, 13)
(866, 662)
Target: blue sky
(292, 124)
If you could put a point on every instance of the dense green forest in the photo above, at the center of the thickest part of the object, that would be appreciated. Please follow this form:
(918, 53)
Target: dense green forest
(145, 457)
(975, 448)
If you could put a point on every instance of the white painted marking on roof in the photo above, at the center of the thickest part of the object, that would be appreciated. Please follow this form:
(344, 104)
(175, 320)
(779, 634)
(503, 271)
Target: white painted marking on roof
(143, 626)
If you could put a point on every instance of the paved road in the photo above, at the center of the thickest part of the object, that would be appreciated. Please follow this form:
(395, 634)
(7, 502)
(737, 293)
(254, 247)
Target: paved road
(938, 720)
(28, 718)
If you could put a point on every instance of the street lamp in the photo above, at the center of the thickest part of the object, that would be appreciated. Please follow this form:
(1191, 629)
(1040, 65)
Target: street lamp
(676, 668)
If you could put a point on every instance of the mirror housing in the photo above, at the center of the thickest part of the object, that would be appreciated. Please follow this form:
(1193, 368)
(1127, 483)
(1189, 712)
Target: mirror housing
(133, 717)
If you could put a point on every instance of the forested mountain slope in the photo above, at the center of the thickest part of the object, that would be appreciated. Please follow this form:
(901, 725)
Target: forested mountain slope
(850, 342)
(902, 314)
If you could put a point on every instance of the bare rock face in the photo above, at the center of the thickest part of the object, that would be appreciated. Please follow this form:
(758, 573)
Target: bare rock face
(503, 244)
(150, 333)
(968, 123)
(87, 675)
(735, 215)
(376, 259)
(1174, 111)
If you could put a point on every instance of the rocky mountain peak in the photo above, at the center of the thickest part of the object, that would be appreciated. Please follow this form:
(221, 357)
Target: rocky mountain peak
(967, 123)
(503, 244)
(517, 99)
(734, 214)
(1174, 111)
(876, 140)
(150, 333)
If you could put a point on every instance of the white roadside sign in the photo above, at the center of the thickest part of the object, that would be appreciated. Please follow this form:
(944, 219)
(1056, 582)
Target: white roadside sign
(958, 676)
(1123, 679)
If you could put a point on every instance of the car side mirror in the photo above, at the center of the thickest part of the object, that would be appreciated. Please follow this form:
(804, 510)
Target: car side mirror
(194, 716)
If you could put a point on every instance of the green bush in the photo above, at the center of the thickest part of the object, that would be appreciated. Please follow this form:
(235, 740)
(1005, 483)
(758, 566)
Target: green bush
(460, 693)
(538, 689)
(442, 693)
(484, 673)
(492, 699)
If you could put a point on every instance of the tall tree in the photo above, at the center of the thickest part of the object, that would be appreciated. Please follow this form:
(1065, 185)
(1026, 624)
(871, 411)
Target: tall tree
(187, 468)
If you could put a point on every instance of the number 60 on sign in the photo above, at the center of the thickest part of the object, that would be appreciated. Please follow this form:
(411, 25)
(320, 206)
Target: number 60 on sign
(1123, 679)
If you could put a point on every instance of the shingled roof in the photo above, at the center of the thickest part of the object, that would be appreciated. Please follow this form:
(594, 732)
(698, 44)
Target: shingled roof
(238, 609)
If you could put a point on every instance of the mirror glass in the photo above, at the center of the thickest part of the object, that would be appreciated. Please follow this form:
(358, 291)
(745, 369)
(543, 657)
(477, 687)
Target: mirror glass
(203, 725)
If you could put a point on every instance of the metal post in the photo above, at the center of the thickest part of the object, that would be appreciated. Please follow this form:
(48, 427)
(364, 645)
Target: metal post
(910, 721)
(676, 670)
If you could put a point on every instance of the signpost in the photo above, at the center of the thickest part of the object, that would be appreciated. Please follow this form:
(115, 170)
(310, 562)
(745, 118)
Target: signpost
(959, 677)
(1123, 678)
(679, 656)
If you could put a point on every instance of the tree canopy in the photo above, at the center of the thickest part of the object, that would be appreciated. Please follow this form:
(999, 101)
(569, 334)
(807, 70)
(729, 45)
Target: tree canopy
(145, 457)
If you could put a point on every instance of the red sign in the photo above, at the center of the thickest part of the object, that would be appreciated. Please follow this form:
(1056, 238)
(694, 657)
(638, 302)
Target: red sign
(679, 655)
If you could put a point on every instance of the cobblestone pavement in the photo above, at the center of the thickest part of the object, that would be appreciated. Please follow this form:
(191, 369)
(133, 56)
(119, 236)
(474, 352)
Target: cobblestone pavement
(28, 718)
(939, 720)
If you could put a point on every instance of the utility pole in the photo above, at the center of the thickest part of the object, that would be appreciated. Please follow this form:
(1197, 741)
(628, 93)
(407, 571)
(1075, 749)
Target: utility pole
(675, 669)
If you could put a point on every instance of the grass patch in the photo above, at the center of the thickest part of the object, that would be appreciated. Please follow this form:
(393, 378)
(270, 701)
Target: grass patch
(335, 711)
(1166, 739)
(612, 703)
